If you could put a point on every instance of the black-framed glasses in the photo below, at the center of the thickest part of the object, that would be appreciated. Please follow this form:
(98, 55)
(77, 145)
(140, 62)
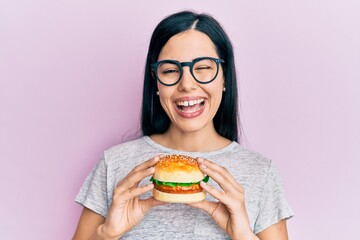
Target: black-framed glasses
(203, 69)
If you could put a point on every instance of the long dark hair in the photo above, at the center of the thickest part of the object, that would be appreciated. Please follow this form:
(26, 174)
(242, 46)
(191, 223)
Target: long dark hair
(154, 119)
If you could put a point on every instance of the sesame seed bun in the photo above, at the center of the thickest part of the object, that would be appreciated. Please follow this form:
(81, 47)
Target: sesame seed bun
(176, 179)
(178, 168)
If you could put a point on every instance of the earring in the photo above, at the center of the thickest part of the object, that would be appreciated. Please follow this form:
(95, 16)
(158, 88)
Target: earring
(224, 89)
(157, 93)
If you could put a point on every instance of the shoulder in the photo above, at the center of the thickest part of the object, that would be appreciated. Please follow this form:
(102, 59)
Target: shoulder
(246, 166)
(244, 157)
(127, 146)
(131, 152)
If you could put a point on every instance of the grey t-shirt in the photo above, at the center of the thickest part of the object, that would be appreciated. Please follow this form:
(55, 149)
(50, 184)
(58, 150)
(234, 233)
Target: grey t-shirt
(264, 195)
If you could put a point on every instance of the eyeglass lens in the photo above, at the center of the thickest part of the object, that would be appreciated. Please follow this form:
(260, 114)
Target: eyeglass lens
(204, 70)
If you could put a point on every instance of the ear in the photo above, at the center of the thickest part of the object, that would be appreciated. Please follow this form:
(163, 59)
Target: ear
(224, 86)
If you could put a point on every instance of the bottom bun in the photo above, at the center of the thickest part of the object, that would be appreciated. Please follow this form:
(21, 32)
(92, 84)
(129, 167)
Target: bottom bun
(179, 198)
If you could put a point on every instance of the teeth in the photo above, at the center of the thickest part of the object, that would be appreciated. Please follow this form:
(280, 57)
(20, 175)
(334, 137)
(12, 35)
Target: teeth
(190, 103)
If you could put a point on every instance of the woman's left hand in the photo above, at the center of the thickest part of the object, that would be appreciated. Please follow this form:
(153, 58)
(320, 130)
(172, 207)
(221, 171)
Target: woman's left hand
(230, 212)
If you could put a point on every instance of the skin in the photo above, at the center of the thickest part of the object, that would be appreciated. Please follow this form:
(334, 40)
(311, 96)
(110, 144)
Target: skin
(191, 134)
(126, 209)
(186, 134)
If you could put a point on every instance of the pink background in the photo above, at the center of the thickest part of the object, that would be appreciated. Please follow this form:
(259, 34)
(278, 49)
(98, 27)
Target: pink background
(71, 82)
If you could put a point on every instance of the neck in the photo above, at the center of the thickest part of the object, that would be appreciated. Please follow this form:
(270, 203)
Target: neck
(198, 141)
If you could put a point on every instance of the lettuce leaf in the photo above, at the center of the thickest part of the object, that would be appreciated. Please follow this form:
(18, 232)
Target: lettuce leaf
(174, 184)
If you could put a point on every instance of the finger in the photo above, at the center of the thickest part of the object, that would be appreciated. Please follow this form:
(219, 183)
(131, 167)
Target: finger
(215, 173)
(207, 164)
(216, 193)
(220, 175)
(147, 164)
(132, 193)
(150, 163)
(133, 178)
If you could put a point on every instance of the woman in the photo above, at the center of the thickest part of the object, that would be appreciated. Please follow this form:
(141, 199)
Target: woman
(189, 107)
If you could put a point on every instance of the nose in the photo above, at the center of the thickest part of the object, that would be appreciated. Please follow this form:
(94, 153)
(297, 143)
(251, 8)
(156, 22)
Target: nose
(187, 81)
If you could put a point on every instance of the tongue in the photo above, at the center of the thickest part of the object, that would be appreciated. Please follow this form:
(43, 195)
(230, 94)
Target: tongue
(190, 108)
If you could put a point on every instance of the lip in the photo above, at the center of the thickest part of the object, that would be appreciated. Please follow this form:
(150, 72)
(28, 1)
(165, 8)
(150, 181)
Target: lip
(190, 114)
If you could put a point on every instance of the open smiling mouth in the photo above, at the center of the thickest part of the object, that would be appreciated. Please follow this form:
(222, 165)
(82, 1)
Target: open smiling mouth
(190, 106)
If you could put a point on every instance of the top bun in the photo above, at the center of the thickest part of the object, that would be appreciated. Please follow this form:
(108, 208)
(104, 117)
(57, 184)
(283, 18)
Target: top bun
(178, 168)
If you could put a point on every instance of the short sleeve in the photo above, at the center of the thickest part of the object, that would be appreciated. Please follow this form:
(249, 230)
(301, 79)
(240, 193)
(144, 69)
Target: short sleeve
(93, 193)
(273, 204)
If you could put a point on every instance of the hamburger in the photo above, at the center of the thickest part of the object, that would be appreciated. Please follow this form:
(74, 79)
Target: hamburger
(177, 179)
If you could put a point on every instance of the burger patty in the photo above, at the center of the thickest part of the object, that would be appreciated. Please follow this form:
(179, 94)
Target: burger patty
(179, 189)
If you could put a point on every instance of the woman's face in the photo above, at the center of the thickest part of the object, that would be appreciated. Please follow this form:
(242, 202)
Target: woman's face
(191, 106)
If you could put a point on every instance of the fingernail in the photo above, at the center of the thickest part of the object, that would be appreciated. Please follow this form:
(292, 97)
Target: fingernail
(158, 156)
(200, 160)
(202, 166)
(151, 169)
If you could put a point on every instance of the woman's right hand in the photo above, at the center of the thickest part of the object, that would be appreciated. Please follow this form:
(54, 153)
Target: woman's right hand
(127, 210)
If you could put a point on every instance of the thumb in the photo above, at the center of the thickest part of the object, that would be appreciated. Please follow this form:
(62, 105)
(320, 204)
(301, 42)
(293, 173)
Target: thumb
(147, 204)
(207, 206)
